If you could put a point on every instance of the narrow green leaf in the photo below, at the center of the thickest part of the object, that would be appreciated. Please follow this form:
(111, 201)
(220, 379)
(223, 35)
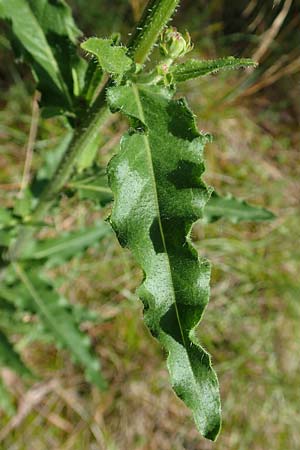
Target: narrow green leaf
(93, 77)
(68, 245)
(86, 158)
(194, 68)
(6, 400)
(234, 209)
(52, 158)
(94, 187)
(51, 309)
(159, 194)
(16, 305)
(10, 358)
(16, 296)
(112, 58)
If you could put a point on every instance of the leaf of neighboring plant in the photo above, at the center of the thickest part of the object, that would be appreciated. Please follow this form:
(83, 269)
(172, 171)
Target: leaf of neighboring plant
(52, 158)
(23, 324)
(44, 34)
(51, 310)
(112, 58)
(16, 295)
(93, 188)
(6, 400)
(68, 245)
(86, 158)
(23, 204)
(6, 217)
(18, 306)
(10, 358)
(159, 194)
(6, 239)
(194, 68)
(30, 34)
(234, 209)
(55, 17)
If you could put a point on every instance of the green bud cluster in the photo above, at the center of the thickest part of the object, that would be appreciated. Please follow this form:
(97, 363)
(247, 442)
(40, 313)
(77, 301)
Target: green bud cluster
(173, 44)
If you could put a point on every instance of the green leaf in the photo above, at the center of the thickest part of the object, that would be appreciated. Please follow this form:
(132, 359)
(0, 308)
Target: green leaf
(10, 358)
(86, 158)
(23, 204)
(194, 68)
(31, 36)
(94, 187)
(234, 209)
(6, 400)
(51, 308)
(6, 217)
(55, 17)
(44, 34)
(23, 324)
(18, 313)
(93, 77)
(159, 194)
(112, 58)
(52, 158)
(67, 245)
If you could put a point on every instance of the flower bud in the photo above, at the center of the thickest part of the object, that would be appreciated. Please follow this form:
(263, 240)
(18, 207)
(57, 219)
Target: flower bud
(173, 44)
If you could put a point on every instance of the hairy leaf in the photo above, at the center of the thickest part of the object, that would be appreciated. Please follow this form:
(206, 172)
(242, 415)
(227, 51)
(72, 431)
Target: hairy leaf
(10, 358)
(229, 207)
(194, 68)
(234, 209)
(112, 58)
(51, 309)
(159, 194)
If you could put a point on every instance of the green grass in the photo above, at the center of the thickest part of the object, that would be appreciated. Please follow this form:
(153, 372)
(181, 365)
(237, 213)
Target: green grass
(251, 326)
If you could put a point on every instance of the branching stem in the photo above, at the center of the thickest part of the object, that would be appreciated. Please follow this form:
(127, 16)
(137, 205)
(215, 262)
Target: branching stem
(156, 15)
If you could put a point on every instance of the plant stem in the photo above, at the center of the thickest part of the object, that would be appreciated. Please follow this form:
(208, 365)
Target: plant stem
(155, 17)
(83, 136)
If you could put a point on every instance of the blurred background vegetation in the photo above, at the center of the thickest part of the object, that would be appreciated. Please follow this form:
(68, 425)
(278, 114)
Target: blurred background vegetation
(251, 326)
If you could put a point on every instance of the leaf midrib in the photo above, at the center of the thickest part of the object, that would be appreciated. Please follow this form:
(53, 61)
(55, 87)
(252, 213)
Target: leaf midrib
(149, 157)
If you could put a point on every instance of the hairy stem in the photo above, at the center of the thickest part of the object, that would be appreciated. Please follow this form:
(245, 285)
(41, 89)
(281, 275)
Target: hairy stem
(83, 136)
(155, 17)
